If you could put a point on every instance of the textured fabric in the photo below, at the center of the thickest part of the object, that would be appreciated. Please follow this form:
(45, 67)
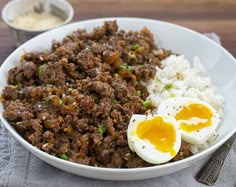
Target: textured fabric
(19, 168)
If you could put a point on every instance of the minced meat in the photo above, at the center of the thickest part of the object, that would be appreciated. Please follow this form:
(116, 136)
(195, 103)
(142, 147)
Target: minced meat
(76, 101)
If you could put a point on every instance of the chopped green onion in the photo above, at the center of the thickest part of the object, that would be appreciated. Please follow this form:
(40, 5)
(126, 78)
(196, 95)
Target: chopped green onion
(147, 103)
(122, 67)
(125, 66)
(113, 101)
(46, 99)
(42, 70)
(60, 102)
(168, 86)
(64, 157)
(172, 95)
(116, 75)
(101, 129)
(139, 93)
(158, 80)
(136, 46)
(130, 68)
(18, 86)
(132, 55)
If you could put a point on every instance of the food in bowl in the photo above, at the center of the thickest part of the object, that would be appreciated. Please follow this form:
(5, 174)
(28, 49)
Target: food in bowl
(155, 138)
(76, 101)
(181, 79)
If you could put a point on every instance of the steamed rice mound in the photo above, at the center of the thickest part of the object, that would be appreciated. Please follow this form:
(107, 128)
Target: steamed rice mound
(180, 78)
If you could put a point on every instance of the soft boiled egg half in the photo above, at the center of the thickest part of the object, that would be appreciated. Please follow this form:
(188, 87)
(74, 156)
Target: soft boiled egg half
(197, 119)
(156, 139)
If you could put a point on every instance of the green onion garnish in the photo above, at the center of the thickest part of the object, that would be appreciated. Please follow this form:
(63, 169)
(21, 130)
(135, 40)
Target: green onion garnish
(147, 103)
(64, 157)
(168, 86)
(113, 101)
(122, 67)
(172, 95)
(42, 70)
(101, 129)
(60, 102)
(18, 86)
(125, 66)
(136, 46)
(130, 68)
(139, 93)
(46, 99)
(158, 80)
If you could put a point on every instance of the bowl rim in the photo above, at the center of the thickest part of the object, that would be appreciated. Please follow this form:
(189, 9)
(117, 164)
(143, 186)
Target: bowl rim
(116, 170)
(11, 3)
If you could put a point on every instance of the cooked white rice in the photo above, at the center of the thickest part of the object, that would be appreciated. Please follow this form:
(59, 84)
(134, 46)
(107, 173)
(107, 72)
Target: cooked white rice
(180, 78)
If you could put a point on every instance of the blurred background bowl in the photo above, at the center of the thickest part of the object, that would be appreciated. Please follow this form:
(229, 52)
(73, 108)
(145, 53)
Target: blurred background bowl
(14, 9)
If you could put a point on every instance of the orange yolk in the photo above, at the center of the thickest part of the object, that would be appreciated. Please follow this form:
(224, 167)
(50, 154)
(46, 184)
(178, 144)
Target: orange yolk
(194, 117)
(159, 133)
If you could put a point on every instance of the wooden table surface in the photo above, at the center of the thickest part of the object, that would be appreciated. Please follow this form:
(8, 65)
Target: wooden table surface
(202, 15)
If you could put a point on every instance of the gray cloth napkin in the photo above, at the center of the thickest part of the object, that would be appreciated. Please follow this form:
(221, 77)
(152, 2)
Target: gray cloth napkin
(18, 167)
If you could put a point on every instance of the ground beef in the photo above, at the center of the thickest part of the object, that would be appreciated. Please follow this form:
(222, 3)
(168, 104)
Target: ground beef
(184, 152)
(52, 73)
(76, 101)
(29, 69)
(10, 92)
(99, 88)
(145, 72)
(15, 109)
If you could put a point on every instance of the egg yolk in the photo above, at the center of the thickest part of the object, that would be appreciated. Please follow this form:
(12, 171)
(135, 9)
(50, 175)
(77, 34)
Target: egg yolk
(194, 117)
(159, 133)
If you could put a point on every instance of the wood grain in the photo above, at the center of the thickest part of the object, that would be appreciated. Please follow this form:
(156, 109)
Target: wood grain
(202, 15)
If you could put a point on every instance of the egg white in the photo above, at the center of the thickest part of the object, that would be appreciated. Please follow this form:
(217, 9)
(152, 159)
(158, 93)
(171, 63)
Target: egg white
(145, 149)
(172, 106)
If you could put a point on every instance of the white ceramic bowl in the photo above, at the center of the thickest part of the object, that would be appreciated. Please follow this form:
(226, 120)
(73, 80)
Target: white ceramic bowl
(220, 64)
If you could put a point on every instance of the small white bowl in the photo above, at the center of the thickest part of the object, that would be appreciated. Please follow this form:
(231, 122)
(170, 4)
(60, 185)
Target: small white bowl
(59, 8)
(220, 65)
